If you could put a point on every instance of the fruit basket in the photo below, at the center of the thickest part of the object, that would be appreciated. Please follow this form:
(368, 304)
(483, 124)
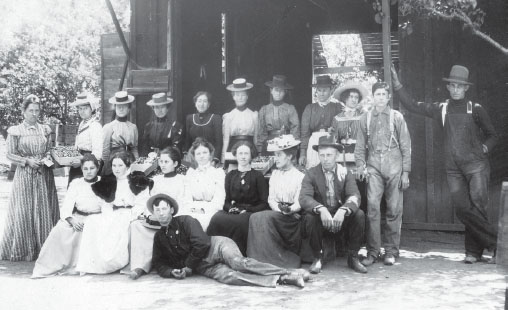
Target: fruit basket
(262, 163)
(145, 164)
(65, 155)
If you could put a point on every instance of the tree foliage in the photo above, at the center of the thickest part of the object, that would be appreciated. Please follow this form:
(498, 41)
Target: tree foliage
(51, 48)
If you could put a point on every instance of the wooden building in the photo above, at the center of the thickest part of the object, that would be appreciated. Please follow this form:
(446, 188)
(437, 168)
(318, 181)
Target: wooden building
(185, 46)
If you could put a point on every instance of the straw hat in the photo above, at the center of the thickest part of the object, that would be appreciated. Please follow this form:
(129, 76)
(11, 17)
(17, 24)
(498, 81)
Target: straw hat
(121, 97)
(159, 99)
(458, 74)
(364, 93)
(84, 99)
(283, 142)
(239, 85)
(172, 202)
(279, 81)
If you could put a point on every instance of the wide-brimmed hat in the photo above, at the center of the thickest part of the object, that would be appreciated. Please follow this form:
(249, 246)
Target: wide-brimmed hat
(121, 97)
(323, 81)
(280, 143)
(458, 74)
(83, 99)
(159, 99)
(148, 223)
(351, 85)
(279, 81)
(239, 85)
(328, 140)
(172, 202)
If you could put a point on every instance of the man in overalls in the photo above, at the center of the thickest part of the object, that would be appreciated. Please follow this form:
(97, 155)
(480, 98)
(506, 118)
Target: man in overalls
(383, 156)
(466, 156)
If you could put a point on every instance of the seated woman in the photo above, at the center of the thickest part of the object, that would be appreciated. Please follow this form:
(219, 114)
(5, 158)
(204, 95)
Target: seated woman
(143, 229)
(204, 184)
(274, 236)
(246, 193)
(106, 237)
(61, 251)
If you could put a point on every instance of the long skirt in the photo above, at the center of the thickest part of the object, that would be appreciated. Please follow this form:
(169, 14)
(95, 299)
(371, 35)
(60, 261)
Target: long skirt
(312, 156)
(60, 253)
(32, 212)
(106, 239)
(141, 247)
(275, 238)
(233, 226)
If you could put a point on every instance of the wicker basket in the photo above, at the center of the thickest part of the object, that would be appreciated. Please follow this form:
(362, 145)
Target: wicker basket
(64, 161)
(146, 168)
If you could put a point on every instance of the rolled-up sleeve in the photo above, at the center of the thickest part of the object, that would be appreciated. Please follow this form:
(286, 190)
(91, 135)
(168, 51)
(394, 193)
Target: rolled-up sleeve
(404, 142)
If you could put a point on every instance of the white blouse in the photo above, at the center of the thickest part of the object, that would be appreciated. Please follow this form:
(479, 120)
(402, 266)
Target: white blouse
(173, 187)
(89, 137)
(205, 186)
(80, 195)
(239, 123)
(125, 197)
(285, 187)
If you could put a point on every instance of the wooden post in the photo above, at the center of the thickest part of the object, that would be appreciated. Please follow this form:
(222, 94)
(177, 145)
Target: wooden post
(502, 235)
(387, 43)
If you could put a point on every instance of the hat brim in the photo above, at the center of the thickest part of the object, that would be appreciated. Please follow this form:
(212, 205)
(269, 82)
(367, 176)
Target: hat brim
(323, 85)
(153, 104)
(129, 100)
(232, 88)
(285, 86)
(363, 91)
(148, 225)
(339, 147)
(274, 148)
(172, 202)
(457, 81)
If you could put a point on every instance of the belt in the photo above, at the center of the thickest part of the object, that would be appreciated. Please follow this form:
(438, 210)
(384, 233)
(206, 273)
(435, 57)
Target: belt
(122, 207)
(84, 213)
(242, 137)
(277, 132)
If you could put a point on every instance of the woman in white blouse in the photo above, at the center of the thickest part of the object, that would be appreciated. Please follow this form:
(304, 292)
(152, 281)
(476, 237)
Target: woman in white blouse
(204, 184)
(61, 251)
(124, 196)
(275, 236)
(143, 230)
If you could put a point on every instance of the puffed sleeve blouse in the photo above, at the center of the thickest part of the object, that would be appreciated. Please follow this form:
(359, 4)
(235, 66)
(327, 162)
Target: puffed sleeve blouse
(285, 187)
(205, 185)
(80, 195)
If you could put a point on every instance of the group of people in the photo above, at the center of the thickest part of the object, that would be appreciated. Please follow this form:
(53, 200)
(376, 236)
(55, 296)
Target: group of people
(238, 228)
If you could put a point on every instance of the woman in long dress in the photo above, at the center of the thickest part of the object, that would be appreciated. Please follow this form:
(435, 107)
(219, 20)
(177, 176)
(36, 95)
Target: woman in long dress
(246, 194)
(241, 124)
(275, 236)
(317, 119)
(33, 203)
(89, 138)
(60, 252)
(106, 237)
(120, 134)
(144, 229)
(204, 184)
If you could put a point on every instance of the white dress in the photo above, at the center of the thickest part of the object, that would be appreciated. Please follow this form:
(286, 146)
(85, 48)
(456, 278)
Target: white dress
(142, 236)
(61, 252)
(205, 185)
(107, 243)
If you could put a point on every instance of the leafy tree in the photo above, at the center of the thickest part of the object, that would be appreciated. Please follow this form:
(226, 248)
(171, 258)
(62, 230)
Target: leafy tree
(51, 48)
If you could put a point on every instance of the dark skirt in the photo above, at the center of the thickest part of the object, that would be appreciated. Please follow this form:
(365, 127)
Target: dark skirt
(275, 238)
(234, 226)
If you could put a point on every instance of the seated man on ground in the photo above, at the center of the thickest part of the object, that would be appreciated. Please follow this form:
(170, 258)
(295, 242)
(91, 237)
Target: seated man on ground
(330, 198)
(182, 247)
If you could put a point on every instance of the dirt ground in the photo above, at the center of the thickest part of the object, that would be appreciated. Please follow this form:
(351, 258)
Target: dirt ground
(429, 275)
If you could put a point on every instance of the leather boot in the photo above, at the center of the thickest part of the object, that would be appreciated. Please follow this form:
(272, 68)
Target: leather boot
(316, 266)
(304, 273)
(353, 262)
(292, 278)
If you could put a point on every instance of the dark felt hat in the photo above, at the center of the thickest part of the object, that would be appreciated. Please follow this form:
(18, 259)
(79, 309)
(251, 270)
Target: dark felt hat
(172, 202)
(279, 81)
(328, 140)
(323, 81)
(458, 74)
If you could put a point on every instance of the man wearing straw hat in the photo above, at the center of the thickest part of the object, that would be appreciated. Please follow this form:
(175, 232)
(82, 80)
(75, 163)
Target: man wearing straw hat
(469, 137)
(163, 130)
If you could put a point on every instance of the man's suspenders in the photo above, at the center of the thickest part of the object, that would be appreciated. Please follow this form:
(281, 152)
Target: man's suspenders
(392, 128)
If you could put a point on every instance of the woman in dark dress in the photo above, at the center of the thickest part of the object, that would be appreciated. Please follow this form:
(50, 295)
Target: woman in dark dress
(203, 124)
(163, 130)
(246, 193)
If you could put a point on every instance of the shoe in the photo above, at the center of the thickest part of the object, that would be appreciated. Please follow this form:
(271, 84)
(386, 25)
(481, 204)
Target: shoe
(316, 266)
(491, 260)
(389, 259)
(292, 278)
(304, 273)
(470, 259)
(136, 273)
(369, 260)
(354, 263)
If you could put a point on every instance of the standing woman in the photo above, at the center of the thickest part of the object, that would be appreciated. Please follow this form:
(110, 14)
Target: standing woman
(317, 119)
(203, 124)
(246, 193)
(120, 134)
(204, 184)
(106, 237)
(277, 118)
(89, 138)
(60, 253)
(163, 130)
(33, 203)
(241, 124)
